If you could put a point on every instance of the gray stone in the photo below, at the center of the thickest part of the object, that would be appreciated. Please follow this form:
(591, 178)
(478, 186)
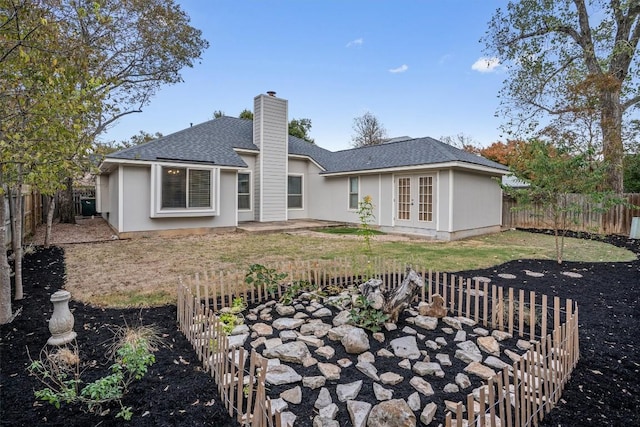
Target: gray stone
(481, 332)
(368, 369)
(405, 364)
(391, 413)
(443, 359)
(427, 414)
(432, 345)
(257, 342)
(294, 352)
(463, 381)
(501, 335)
(324, 399)
(278, 405)
(240, 330)
(451, 388)
(288, 418)
(441, 341)
(383, 352)
(345, 363)
(453, 322)
(414, 401)
(287, 323)
(515, 357)
(431, 368)
(571, 274)
(358, 412)
(468, 351)
(309, 361)
(507, 276)
(480, 370)
(422, 386)
(348, 391)
(466, 321)
(448, 331)
(252, 317)
(237, 340)
(330, 371)
(382, 393)
(300, 315)
(489, 345)
(342, 318)
(293, 395)
(314, 382)
(409, 330)
(338, 332)
(285, 310)
(355, 341)
(378, 336)
(391, 378)
(406, 347)
(272, 342)
(318, 421)
(281, 374)
(523, 345)
(288, 335)
(326, 351)
(311, 341)
(312, 327)
(460, 336)
(330, 411)
(494, 362)
(390, 326)
(323, 312)
(426, 322)
(366, 357)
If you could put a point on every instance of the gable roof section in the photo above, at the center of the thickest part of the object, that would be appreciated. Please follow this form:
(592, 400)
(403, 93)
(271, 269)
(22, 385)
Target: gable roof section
(404, 153)
(216, 141)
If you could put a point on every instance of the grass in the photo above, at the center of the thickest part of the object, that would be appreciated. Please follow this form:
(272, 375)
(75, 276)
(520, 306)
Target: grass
(144, 272)
(348, 231)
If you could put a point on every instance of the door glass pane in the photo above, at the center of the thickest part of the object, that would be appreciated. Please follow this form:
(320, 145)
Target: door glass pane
(425, 212)
(404, 198)
(174, 187)
(199, 188)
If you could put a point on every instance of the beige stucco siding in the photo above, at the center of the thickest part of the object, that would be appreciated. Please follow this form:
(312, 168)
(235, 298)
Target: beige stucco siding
(476, 201)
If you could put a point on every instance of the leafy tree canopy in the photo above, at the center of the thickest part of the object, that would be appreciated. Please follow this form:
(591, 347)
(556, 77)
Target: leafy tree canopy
(301, 129)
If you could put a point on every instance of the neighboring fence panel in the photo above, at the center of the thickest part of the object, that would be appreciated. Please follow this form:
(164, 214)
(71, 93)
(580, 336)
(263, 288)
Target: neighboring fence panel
(590, 219)
(535, 386)
(80, 193)
(33, 214)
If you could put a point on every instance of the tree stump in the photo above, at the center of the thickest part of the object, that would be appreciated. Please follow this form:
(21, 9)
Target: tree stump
(401, 297)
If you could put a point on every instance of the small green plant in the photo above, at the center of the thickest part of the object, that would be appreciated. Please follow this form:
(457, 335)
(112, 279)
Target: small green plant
(238, 305)
(296, 287)
(367, 317)
(229, 321)
(259, 275)
(366, 216)
(59, 371)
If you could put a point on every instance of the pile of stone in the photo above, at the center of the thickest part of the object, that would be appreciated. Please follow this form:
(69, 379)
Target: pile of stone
(305, 336)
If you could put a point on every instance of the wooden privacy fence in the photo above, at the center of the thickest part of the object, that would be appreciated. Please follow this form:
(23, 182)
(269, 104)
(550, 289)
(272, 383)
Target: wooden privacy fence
(590, 218)
(520, 395)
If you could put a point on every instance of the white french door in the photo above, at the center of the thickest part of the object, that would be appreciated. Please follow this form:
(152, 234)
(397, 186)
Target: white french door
(415, 200)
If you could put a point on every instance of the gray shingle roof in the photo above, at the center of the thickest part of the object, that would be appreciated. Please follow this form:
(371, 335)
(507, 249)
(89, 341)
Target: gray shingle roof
(215, 141)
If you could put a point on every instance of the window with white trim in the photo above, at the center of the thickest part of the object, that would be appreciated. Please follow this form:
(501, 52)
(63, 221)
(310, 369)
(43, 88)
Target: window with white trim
(244, 191)
(179, 190)
(294, 192)
(354, 195)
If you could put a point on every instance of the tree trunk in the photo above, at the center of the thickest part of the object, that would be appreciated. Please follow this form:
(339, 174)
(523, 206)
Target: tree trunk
(5, 272)
(12, 218)
(401, 297)
(613, 150)
(50, 209)
(17, 238)
(66, 205)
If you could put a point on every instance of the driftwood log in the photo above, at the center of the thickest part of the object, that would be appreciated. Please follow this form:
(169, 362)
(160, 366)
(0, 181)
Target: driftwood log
(392, 302)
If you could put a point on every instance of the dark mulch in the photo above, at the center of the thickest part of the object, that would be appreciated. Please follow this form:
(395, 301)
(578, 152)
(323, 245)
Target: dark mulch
(604, 388)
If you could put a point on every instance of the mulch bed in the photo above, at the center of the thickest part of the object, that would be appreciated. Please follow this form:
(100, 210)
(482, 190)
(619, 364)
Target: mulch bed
(604, 388)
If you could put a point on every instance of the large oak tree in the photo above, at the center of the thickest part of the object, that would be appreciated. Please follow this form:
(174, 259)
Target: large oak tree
(570, 58)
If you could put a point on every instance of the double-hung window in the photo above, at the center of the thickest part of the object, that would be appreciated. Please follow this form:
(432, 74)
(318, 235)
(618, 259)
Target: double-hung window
(244, 191)
(183, 191)
(354, 196)
(294, 192)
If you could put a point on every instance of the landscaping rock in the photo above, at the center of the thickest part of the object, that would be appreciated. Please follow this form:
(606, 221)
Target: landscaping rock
(453, 322)
(414, 401)
(382, 393)
(426, 322)
(294, 352)
(391, 413)
(329, 412)
(323, 312)
(285, 310)
(355, 341)
(368, 369)
(293, 395)
(287, 323)
(348, 391)
(480, 370)
(358, 412)
(330, 371)
(430, 368)
(427, 414)
(326, 351)
(463, 381)
(391, 378)
(336, 333)
(314, 382)
(422, 386)
(406, 347)
(489, 345)
(281, 374)
(366, 357)
(342, 318)
(324, 399)
(501, 335)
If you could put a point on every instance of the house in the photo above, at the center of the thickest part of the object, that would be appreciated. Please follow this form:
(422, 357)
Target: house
(217, 174)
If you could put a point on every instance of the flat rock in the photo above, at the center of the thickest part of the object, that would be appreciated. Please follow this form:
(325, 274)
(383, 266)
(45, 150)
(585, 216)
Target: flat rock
(432, 345)
(329, 412)
(453, 322)
(324, 399)
(451, 388)
(463, 381)
(482, 332)
(427, 414)
(281, 374)
(422, 386)
(278, 405)
(406, 347)
(368, 369)
(414, 401)
(382, 393)
(345, 363)
(391, 378)
(293, 395)
(441, 341)
(285, 310)
(319, 421)
(348, 391)
(366, 357)
(287, 323)
(311, 328)
(480, 370)
(494, 362)
(378, 336)
(288, 335)
(489, 345)
(330, 371)
(523, 345)
(501, 335)
(342, 318)
(237, 340)
(508, 276)
(294, 352)
(325, 351)
(409, 330)
(430, 368)
(240, 330)
(426, 322)
(405, 364)
(272, 342)
(383, 352)
(461, 336)
(338, 332)
(288, 418)
(314, 382)
(323, 312)
(391, 413)
(358, 412)
(443, 359)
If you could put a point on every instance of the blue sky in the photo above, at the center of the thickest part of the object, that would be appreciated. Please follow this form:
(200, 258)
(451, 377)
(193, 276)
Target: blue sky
(416, 65)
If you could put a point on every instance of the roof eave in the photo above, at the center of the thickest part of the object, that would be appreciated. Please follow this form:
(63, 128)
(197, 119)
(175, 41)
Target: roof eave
(445, 165)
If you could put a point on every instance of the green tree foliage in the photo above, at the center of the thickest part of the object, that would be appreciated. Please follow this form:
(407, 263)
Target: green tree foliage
(301, 129)
(632, 173)
(217, 114)
(368, 131)
(246, 114)
(573, 63)
(552, 174)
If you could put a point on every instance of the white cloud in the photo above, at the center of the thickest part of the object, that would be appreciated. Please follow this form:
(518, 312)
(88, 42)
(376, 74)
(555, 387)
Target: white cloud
(445, 58)
(356, 42)
(486, 65)
(400, 69)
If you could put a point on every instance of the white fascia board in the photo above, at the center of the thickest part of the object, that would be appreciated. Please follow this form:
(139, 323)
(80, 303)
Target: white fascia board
(459, 165)
(175, 163)
(246, 151)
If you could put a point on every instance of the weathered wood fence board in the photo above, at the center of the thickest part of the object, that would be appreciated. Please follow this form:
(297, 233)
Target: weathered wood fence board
(590, 219)
(519, 395)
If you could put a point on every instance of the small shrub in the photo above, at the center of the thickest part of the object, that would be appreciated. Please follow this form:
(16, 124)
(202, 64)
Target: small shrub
(367, 317)
(259, 276)
(59, 371)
